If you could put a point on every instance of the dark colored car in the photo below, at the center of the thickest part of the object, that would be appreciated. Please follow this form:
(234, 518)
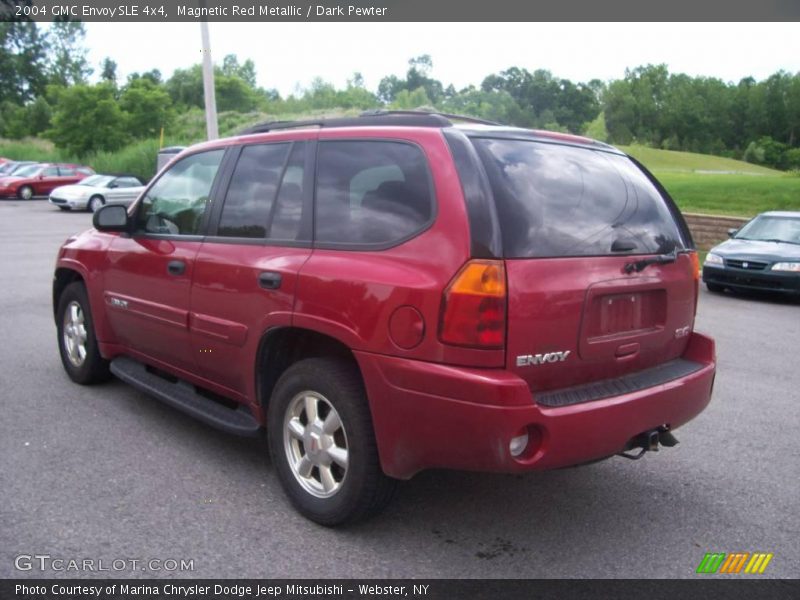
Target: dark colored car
(40, 179)
(396, 292)
(763, 255)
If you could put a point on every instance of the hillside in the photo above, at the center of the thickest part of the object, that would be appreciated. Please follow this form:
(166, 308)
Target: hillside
(660, 161)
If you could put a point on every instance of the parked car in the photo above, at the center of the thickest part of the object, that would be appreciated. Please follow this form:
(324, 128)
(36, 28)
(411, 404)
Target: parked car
(40, 179)
(9, 167)
(397, 292)
(763, 255)
(97, 190)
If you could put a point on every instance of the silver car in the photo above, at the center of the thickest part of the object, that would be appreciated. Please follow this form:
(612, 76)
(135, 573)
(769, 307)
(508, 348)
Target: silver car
(97, 190)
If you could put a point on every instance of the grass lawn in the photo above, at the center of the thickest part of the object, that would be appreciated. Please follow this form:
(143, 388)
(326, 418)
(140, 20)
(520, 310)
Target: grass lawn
(669, 160)
(733, 195)
(719, 186)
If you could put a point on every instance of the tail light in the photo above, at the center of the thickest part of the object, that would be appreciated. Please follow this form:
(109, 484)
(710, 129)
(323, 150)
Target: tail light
(694, 261)
(695, 258)
(474, 306)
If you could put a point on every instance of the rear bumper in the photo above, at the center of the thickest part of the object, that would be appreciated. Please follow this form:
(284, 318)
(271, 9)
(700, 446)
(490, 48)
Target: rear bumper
(428, 415)
(764, 281)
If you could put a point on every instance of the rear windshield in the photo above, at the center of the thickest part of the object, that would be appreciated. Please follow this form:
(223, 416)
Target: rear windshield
(557, 200)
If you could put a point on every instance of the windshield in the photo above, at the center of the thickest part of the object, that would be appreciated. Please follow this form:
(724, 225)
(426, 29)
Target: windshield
(97, 180)
(28, 171)
(557, 200)
(771, 229)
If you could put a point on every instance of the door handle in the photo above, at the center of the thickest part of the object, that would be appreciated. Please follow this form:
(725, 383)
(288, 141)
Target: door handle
(176, 267)
(269, 280)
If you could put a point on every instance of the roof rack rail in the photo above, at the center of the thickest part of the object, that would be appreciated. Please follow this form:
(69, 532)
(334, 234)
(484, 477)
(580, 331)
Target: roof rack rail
(410, 120)
(407, 118)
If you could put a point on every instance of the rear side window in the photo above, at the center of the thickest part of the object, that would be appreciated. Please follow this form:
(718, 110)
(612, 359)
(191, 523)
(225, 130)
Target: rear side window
(252, 191)
(371, 192)
(556, 200)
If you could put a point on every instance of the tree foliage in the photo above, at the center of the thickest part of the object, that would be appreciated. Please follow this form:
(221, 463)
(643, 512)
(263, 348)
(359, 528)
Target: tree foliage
(87, 118)
(43, 75)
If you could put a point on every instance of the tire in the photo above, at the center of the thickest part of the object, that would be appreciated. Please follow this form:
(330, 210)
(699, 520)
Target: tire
(344, 482)
(25, 192)
(77, 343)
(715, 288)
(95, 203)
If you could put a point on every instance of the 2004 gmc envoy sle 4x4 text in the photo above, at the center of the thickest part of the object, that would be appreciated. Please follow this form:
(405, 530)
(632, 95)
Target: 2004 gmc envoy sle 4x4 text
(396, 292)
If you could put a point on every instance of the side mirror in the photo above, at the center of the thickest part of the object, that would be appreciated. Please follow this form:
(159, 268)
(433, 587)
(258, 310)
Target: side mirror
(112, 217)
(732, 232)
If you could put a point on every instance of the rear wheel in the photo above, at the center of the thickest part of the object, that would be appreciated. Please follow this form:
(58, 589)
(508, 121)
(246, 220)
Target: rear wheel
(95, 203)
(715, 287)
(77, 343)
(322, 443)
(25, 192)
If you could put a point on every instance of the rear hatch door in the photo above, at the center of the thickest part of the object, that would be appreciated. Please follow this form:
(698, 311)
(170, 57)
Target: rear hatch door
(600, 283)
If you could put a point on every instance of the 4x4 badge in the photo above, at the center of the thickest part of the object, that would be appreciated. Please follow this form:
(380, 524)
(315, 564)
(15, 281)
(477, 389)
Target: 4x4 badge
(526, 360)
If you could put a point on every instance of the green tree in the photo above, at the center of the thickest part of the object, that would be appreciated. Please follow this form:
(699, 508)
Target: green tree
(406, 100)
(23, 62)
(109, 71)
(493, 106)
(147, 108)
(87, 119)
(417, 77)
(185, 87)
(68, 64)
(245, 71)
(619, 107)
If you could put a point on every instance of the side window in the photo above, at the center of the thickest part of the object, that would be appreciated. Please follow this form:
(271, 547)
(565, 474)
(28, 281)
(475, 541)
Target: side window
(50, 172)
(371, 192)
(251, 194)
(66, 171)
(287, 211)
(176, 202)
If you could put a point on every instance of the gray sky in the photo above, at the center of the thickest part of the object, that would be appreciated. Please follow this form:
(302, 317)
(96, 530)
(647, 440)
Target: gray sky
(288, 55)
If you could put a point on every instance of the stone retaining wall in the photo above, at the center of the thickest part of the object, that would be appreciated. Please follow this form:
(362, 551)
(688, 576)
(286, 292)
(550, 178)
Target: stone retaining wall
(710, 230)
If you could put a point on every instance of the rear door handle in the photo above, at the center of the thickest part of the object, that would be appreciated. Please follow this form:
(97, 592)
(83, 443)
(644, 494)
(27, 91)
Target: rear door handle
(176, 267)
(270, 280)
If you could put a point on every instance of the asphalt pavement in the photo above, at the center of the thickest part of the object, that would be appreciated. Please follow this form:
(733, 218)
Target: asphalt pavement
(107, 473)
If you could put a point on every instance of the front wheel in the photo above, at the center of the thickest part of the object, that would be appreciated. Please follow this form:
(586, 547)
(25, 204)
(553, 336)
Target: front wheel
(322, 443)
(95, 203)
(77, 343)
(25, 192)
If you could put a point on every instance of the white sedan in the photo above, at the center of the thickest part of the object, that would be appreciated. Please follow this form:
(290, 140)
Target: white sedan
(97, 190)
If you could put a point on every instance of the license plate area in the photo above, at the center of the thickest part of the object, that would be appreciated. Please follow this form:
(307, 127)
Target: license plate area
(626, 313)
(623, 318)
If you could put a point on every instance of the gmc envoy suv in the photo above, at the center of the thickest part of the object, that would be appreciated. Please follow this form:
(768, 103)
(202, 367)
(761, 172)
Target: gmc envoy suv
(397, 292)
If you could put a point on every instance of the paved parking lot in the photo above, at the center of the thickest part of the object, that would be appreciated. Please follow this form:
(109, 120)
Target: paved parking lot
(108, 473)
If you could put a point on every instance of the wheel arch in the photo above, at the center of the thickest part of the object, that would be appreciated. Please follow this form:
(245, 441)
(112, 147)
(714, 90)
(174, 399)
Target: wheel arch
(61, 279)
(281, 347)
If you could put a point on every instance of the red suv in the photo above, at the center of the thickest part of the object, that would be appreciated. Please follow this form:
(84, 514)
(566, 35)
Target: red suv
(395, 292)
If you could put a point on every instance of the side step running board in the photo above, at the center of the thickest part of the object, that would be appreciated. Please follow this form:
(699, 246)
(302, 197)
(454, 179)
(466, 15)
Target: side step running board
(182, 395)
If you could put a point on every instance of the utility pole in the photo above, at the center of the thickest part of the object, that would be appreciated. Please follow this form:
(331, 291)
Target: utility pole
(208, 81)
